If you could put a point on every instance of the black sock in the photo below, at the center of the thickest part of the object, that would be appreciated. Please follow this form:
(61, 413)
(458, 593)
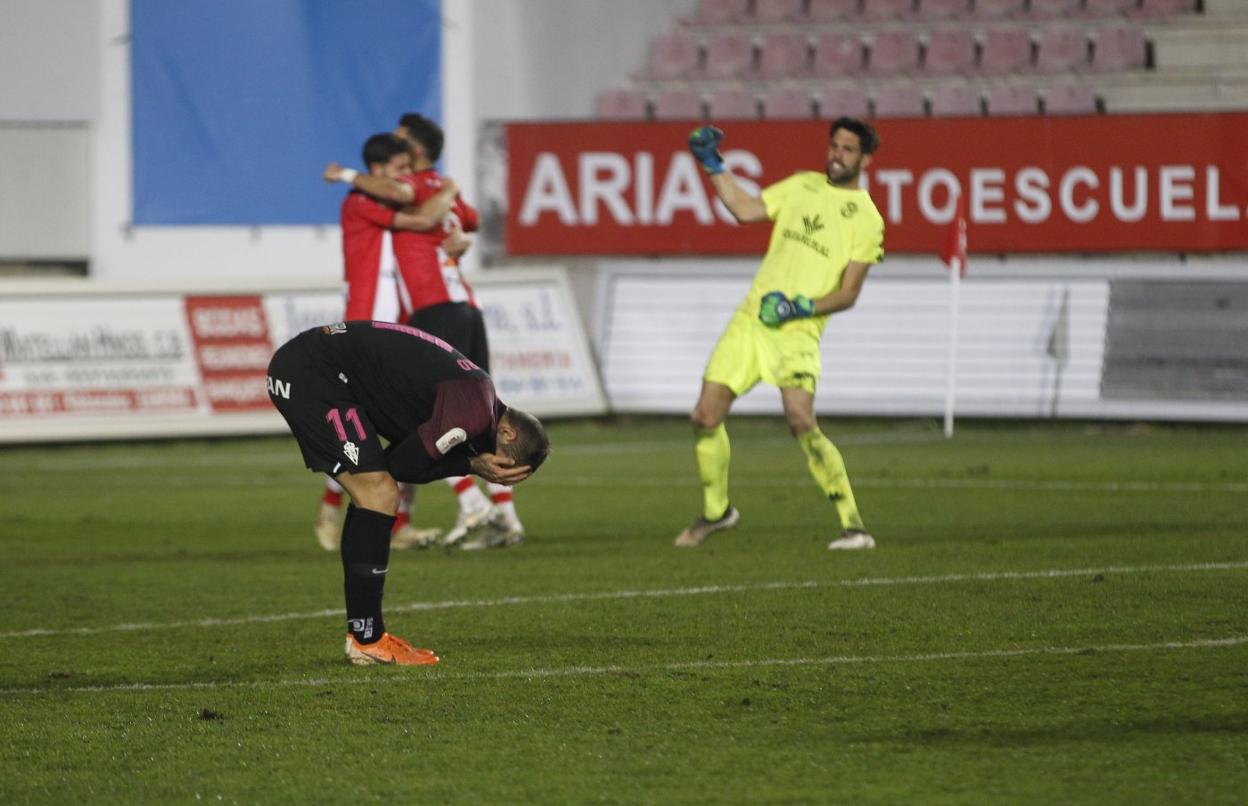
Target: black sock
(365, 560)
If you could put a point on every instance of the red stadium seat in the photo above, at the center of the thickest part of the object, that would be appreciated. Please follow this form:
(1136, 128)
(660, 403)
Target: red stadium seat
(1054, 9)
(677, 105)
(831, 10)
(620, 104)
(835, 102)
(1070, 99)
(721, 12)
(1165, 8)
(998, 9)
(949, 51)
(1012, 99)
(732, 104)
(1108, 9)
(894, 52)
(956, 101)
(877, 10)
(728, 56)
(1060, 49)
(673, 55)
(1005, 51)
(1122, 48)
(837, 55)
(789, 102)
(899, 101)
(770, 12)
(943, 9)
(783, 55)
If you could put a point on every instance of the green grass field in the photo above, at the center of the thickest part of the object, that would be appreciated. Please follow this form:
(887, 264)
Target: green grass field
(1056, 613)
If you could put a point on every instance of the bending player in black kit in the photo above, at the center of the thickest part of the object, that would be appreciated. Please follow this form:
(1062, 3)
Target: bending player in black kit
(342, 388)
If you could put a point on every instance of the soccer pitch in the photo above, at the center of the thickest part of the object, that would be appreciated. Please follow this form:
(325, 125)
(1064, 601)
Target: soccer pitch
(1056, 613)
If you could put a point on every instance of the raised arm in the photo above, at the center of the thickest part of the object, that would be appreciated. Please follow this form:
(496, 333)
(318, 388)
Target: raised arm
(704, 145)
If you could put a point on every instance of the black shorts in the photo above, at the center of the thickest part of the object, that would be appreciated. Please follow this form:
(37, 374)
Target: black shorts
(460, 325)
(332, 429)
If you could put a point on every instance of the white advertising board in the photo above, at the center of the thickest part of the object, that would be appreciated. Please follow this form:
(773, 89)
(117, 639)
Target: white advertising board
(83, 361)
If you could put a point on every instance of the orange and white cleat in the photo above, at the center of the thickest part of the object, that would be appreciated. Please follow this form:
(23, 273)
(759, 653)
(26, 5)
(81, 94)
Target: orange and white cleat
(390, 650)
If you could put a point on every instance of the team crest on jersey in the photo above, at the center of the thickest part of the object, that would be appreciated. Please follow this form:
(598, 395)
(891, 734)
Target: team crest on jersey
(849, 209)
(352, 451)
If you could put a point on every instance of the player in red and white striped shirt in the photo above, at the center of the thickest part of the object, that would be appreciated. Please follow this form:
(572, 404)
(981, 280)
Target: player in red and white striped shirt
(370, 218)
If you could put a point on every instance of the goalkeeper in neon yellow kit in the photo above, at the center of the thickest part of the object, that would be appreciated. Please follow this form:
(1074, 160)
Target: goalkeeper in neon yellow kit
(826, 233)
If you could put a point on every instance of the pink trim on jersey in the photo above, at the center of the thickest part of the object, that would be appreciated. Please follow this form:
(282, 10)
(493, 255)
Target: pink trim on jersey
(411, 331)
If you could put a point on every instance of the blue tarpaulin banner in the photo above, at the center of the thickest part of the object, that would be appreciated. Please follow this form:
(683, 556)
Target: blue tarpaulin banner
(239, 105)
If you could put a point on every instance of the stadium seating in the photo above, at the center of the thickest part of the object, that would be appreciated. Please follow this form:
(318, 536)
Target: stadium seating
(673, 55)
(837, 101)
(1012, 99)
(1165, 8)
(783, 55)
(1053, 9)
(1005, 51)
(770, 12)
(728, 56)
(1108, 8)
(1061, 48)
(731, 104)
(998, 9)
(1070, 99)
(879, 10)
(720, 12)
(677, 105)
(956, 100)
(928, 10)
(620, 104)
(837, 55)
(949, 51)
(831, 10)
(900, 101)
(894, 52)
(789, 102)
(1119, 48)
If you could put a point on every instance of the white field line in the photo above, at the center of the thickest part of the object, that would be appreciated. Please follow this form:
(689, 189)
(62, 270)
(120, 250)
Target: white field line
(431, 676)
(661, 593)
(919, 483)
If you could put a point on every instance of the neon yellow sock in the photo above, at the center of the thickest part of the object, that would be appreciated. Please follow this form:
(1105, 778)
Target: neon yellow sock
(713, 452)
(828, 468)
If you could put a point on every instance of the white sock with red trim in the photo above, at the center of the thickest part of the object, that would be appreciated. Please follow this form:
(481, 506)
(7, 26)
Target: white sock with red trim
(502, 497)
(333, 493)
(470, 496)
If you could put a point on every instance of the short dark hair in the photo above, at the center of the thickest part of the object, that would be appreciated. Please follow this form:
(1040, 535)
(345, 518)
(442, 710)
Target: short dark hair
(531, 446)
(381, 148)
(424, 131)
(867, 137)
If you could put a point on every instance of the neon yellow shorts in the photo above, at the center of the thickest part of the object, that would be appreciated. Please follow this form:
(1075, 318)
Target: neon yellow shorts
(749, 352)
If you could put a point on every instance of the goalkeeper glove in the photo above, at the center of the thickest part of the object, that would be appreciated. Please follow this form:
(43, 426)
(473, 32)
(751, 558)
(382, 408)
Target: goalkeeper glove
(776, 308)
(704, 144)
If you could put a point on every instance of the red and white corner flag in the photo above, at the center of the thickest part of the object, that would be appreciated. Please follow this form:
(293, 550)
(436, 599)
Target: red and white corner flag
(954, 251)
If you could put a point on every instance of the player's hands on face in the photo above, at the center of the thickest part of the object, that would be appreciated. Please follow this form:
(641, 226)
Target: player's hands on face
(332, 173)
(498, 468)
(704, 145)
(776, 309)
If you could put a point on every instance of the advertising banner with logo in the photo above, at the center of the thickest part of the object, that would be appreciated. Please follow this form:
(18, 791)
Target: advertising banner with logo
(97, 363)
(1084, 184)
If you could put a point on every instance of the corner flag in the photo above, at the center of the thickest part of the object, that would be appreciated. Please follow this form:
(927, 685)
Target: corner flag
(954, 251)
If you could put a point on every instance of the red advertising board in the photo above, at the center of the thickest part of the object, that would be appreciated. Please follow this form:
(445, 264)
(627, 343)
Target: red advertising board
(232, 348)
(1084, 184)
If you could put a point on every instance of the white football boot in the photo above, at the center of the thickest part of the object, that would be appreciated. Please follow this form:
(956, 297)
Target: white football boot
(502, 530)
(468, 522)
(328, 529)
(853, 539)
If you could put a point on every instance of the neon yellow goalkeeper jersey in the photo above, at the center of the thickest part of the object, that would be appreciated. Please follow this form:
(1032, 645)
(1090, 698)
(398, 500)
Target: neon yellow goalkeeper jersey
(818, 229)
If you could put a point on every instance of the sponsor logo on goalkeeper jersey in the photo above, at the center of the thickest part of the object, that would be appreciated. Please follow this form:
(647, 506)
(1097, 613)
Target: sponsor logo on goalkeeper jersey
(806, 240)
(812, 224)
